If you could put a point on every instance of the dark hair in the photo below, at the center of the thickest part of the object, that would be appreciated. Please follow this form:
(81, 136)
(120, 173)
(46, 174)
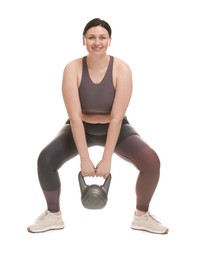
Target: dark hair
(95, 22)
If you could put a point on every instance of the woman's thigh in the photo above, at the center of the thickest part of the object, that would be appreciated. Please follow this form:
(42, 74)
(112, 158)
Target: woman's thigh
(130, 146)
(59, 150)
(135, 150)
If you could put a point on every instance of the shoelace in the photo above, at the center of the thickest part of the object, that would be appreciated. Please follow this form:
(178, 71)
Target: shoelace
(41, 217)
(154, 218)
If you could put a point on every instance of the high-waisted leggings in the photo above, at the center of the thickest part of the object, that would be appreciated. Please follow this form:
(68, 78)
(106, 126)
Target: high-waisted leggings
(130, 147)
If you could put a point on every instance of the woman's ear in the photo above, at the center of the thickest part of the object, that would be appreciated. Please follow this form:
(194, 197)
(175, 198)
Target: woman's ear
(83, 40)
(110, 42)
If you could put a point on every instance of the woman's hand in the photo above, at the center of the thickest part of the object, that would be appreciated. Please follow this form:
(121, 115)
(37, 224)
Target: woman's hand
(87, 168)
(103, 168)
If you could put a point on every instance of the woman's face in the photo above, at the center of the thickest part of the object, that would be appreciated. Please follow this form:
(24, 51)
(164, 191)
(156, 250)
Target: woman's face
(97, 40)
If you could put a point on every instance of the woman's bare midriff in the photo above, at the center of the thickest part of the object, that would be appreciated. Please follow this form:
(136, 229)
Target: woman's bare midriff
(96, 119)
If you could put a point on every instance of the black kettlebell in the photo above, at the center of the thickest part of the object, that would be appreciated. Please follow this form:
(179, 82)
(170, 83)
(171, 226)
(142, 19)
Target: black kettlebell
(94, 196)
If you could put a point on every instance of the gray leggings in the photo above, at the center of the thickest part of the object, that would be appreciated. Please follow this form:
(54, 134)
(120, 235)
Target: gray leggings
(130, 147)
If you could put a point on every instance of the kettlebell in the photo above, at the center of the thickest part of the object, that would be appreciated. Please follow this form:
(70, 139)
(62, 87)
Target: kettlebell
(94, 196)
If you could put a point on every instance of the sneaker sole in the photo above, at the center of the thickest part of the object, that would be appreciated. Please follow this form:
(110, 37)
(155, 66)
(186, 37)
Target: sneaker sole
(44, 230)
(150, 231)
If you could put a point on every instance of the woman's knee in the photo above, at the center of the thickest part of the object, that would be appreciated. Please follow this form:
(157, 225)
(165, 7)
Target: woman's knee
(156, 160)
(44, 161)
(147, 160)
(48, 175)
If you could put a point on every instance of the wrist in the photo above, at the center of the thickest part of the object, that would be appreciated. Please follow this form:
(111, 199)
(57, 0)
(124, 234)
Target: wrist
(107, 157)
(84, 157)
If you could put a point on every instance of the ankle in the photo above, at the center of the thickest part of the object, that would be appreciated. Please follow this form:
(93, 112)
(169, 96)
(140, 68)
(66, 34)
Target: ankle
(139, 213)
(55, 213)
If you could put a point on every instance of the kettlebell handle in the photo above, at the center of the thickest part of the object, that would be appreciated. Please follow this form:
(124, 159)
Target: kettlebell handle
(107, 182)
(83, 184)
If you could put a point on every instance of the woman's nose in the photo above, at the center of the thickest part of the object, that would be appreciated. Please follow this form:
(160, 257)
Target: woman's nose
(97, 41)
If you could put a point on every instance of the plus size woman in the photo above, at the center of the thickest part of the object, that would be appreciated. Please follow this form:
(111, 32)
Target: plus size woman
(97, 89)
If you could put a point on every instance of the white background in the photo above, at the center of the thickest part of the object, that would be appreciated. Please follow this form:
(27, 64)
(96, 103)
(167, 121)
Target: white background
(158, 39)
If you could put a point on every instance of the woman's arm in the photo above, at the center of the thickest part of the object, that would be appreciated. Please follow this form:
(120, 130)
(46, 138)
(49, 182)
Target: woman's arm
(73, 107)
(123, 78)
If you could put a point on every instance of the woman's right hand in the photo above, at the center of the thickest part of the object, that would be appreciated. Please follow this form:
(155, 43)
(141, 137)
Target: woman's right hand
(87, 168)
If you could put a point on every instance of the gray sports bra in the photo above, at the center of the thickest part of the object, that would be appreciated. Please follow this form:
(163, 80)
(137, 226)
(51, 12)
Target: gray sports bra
(96, 98)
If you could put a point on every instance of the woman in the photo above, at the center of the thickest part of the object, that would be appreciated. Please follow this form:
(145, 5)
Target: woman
(97, 90)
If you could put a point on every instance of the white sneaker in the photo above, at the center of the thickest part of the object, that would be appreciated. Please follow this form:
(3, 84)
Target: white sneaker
(148, 223)
(47, 221)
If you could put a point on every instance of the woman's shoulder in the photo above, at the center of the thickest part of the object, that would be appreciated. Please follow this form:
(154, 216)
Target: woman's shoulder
(120, 64)
(74, 62)
(74, 65)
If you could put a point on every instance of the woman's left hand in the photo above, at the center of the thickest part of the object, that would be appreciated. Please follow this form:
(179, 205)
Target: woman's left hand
(103, 168)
